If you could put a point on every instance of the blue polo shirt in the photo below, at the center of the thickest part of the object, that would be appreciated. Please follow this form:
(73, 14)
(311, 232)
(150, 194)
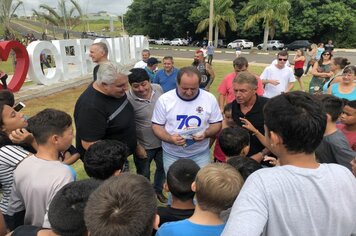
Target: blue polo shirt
(167, 82)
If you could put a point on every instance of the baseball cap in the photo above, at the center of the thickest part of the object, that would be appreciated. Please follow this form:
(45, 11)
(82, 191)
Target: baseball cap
(152, 60)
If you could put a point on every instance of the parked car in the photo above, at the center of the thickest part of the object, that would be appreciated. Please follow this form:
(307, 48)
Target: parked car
(152, 41)
(179, 42)
(163, 41)
(272, 45)
(243, 43)
(222, 43)
(298, 44)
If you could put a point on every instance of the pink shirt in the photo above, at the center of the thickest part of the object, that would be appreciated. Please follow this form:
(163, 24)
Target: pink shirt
(350, 135)
(225, 88)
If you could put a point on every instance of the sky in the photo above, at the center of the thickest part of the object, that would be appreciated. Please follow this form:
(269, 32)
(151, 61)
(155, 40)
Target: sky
(117, 7)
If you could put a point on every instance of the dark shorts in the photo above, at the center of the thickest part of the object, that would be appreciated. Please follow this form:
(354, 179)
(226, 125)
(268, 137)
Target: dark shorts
(298, 72)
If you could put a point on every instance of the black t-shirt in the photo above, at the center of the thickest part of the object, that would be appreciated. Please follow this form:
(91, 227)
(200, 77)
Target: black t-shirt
(95, 72)
(169, 214)
(91, 114)
(255, 116)
(26, 230)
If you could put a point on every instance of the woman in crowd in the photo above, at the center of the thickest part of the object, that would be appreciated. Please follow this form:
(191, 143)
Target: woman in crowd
(312, 54)
(10, 154)
(321, 73)
(337, 66)
(347, 87)
(299, 61)
(319, 51)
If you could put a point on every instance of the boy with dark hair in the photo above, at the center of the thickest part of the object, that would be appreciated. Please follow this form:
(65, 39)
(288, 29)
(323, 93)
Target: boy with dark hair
(348, 123)
(39, 177)
(216, 187)
(246, 166)
(334, 147)
(298, 197)
(105, 158)
(7, 97)
(180, 176)
(123, 205)
(234, 141)
(66, 211)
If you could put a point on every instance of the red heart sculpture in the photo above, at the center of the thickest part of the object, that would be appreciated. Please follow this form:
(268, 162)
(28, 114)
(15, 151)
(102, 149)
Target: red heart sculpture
(22, 63)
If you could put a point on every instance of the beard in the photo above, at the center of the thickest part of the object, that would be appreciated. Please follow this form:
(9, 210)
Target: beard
(195, 62)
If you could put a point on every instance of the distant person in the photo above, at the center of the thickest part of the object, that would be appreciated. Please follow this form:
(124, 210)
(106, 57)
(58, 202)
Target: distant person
(151, 68)
(216, 187)
(334, 147)
(238, 51)
(337, 67)
(299, 61)
(205, 69)
(225, 89)
(167, 77)
(295, 123)
(319, 51)
(311, 53)
(329, 46)
(103, 111)
(66, 211)
(180, 176)
(105, 158)
(143, 63)
(321, 73)
(33, 190)
(122, 205)
(210, 52)
(99, 54)
(278, 78)
(348, 123)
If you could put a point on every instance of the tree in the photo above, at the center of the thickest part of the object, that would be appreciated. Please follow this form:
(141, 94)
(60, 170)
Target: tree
(222, 14)
(271, 12)
(7, 10)
(65, 17)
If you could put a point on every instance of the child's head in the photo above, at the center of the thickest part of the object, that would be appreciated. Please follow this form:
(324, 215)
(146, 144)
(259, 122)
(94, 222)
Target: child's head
(332, 106)
(122, 205)
(348, 116)
(105, 158)
(180, 176)
(216, 187)
(244, 165)
(52, 126)
(228, 115)
(234, 141)
(66, 211)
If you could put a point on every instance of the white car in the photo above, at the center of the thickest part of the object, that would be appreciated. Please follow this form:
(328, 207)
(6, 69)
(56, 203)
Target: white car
(243, 43)
(163, 41)
(272, 44)
(179, 42)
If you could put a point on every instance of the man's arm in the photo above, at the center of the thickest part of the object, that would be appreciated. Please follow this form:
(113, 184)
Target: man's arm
(222, 99)
(163, 135)
(86, 144)
(290, 86)
(209, 132)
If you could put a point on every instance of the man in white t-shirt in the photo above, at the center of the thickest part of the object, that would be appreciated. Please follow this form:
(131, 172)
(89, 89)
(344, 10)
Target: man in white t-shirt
(278, 78)
(143, 63)
(301, 196)
(185, 118)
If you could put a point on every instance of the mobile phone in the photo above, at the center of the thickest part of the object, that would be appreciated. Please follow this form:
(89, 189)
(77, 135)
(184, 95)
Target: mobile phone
(19, 106)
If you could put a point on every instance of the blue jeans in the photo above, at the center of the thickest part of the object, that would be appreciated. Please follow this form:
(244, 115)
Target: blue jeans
(143, 167)
(202, 159)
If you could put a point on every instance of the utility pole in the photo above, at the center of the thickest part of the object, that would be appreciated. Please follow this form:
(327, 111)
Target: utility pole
(211, 17)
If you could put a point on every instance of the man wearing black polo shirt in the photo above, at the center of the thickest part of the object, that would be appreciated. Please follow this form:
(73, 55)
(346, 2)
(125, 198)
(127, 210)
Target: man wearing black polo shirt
(249, 105)
(103, 111)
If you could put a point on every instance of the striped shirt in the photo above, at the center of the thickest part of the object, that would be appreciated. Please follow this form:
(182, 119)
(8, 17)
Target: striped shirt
(10, 157)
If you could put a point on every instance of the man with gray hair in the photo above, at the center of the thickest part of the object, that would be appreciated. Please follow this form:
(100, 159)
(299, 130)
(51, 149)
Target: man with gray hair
(145, 56)
(103, 112)
(99, 54)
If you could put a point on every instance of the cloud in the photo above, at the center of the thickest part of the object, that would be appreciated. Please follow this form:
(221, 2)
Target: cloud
(88, 6)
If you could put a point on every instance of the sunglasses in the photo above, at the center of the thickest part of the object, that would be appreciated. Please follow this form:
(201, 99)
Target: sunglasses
(326, 54)
(282, 59)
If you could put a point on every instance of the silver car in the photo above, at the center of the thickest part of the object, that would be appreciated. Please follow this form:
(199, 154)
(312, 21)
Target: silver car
(272, 45)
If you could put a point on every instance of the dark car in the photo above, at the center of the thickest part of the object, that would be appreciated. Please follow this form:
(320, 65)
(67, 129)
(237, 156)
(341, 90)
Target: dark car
(298, 44)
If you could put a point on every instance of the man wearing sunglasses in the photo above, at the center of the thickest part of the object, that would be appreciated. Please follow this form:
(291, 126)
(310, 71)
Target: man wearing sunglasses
(278, 78)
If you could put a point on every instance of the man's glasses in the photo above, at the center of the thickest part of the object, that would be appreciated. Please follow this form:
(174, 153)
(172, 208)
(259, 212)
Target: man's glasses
(282, 59)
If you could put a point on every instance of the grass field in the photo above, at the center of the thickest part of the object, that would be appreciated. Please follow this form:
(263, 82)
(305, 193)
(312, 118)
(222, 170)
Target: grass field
(65, 100)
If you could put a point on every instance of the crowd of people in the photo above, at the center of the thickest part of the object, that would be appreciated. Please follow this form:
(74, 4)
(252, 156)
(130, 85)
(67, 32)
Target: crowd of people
(284, 161)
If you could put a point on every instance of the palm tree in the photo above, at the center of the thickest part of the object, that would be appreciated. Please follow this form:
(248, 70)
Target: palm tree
(7, 10)
(270, 11)
(64, 18)
(222, 14)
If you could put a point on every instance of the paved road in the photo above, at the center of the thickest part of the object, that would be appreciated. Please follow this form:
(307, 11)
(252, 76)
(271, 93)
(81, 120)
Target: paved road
(253, 56)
